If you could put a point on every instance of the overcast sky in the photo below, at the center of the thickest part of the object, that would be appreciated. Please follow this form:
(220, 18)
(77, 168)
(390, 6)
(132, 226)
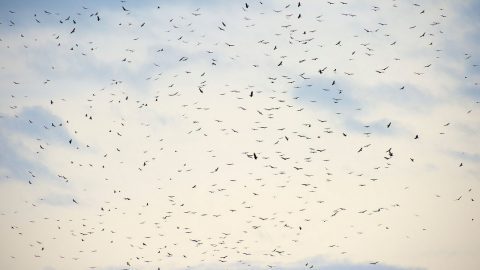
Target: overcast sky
(240, 135)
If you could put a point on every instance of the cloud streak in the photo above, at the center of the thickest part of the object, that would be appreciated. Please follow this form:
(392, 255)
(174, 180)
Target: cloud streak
(241, 135)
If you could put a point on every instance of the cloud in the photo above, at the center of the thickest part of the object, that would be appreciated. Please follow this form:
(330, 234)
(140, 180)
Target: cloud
(166, 119)
(18, 136)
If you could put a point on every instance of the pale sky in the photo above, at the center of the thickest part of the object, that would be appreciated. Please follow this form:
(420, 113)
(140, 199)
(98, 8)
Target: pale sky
(240, 135)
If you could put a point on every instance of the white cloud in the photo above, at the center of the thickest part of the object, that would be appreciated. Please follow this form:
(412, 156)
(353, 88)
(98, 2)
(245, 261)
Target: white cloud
(174, 126)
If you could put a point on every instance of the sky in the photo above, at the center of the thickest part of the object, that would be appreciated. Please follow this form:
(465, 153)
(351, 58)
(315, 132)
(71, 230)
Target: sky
(240, 134)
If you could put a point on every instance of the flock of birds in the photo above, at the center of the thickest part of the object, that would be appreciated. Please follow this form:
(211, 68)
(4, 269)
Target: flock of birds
(170, 137)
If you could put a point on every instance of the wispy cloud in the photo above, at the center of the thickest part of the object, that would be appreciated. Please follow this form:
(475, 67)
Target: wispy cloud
(180, 135)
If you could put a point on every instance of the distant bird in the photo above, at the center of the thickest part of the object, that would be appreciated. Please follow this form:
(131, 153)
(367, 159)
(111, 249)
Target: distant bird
(135, 144)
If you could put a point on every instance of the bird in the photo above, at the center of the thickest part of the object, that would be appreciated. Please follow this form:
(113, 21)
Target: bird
(159, 98)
